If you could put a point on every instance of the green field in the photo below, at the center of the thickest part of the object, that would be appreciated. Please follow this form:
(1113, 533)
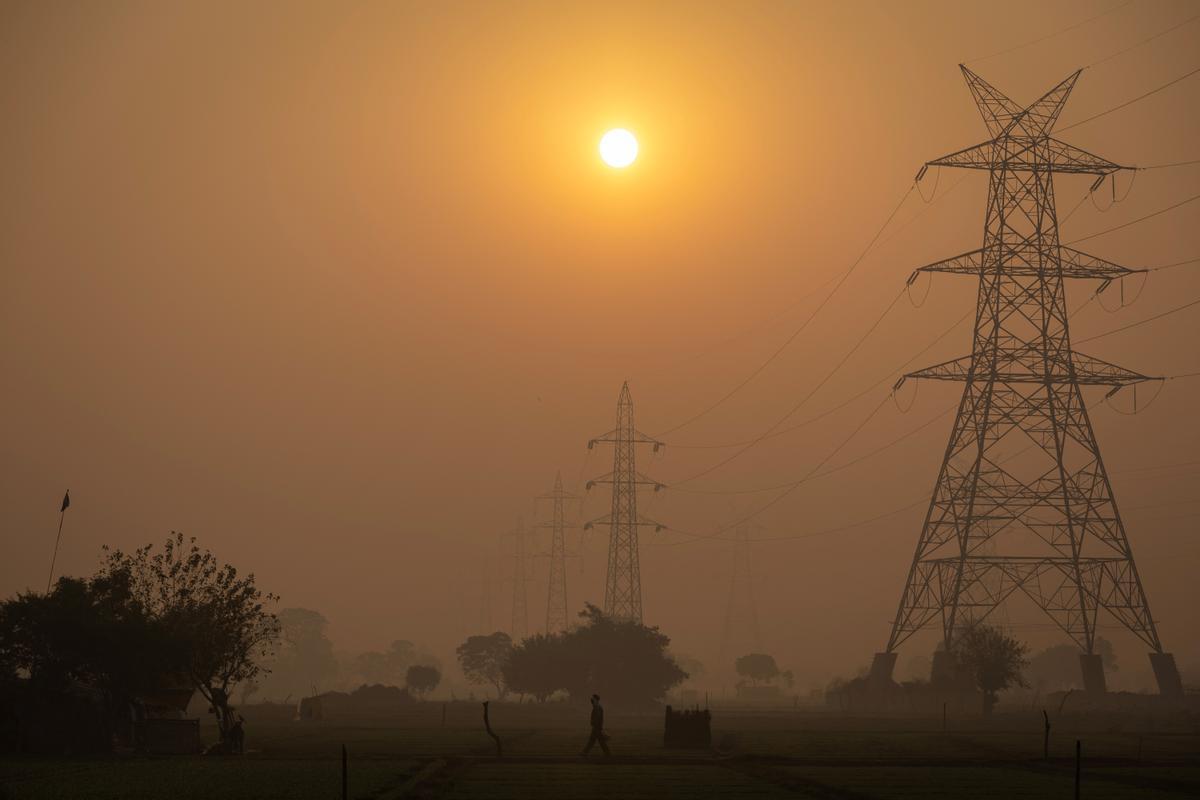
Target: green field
(762, 755)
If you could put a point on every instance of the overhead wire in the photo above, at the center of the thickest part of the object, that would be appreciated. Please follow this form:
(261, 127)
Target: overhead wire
(1171, 29)
(1052, 35)
(1071, 314)
(1173, 164)
(784, 494)
(828, 376)
(1128, 103)
(1191, 199)
(1141, 322)
(831, 470)
(889, 377)
(1175, 264)
(779, 351)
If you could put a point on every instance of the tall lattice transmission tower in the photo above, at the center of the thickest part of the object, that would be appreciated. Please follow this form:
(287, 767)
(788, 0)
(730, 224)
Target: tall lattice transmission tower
(741, 634)
(520, 602)
(623, 586)
(556, 596)
(1042, 520)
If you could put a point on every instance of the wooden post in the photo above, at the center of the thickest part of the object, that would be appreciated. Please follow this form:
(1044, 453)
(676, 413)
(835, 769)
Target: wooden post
(345, 781)
(1078, 759)
(487, 725)
(1046, 736)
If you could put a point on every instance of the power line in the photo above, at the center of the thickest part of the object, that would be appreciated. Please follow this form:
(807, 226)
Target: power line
(890, 376)
(1191, 199)
(1058, 32)
(1174, 27)
(803, 325)
(1174, 164)
(1139, 323)
(1070, 315)
(804, 400)
(1130, 102)
(831, 470)
(1169, 266)
(793, 488)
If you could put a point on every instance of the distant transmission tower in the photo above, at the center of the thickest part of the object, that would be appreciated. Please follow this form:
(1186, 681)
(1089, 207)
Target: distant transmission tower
(623, 586)
(741, 616)
(1048, 509)
(520, 605)
(556, 600)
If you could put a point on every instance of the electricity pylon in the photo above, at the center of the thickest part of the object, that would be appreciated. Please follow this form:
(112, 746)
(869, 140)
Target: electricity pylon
(741, 617)
(623, 586)
(1048, 510)
(520, 604)
(556, 599)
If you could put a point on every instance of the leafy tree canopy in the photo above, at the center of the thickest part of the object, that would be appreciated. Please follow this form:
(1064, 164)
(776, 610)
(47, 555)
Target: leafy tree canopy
(625, 662)
(757, 667)
(421, 679)
(482, 659)
(991, 658)
(220, 615)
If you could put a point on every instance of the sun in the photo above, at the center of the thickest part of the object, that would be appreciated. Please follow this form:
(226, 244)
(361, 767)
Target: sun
(618, 148)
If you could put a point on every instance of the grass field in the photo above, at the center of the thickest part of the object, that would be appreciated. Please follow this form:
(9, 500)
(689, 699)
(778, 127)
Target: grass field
(762, 755)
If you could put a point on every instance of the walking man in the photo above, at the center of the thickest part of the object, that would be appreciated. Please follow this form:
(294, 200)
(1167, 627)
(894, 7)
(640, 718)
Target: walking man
(598, 735)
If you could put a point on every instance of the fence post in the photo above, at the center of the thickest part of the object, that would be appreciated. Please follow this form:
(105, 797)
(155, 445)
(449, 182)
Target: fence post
(1046, 737)
(1079, 757)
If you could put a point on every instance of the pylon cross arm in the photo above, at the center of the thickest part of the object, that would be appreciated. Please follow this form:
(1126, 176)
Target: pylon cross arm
(638, 480)
(1029, 367)
(1030, 260)
(640, 521)
(1026, 155)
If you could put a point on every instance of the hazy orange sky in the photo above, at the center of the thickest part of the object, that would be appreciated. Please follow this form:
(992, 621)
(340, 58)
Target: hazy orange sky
(337, 288)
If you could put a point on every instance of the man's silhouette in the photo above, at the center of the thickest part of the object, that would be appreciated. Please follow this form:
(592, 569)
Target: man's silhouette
(598, 735)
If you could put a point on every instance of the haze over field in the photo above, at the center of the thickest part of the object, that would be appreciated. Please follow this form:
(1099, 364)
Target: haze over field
(338, 289)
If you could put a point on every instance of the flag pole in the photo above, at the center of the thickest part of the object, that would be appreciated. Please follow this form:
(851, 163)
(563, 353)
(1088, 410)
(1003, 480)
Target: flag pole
(62, 515)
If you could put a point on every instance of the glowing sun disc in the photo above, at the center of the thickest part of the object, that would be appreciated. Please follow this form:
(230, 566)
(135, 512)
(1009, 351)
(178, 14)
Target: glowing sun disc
(618, 148)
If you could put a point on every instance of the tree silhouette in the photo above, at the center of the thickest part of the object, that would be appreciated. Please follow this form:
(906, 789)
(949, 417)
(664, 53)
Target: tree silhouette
(990, 658)
(482, 659)
(220, 615)
(535, 666)
(757, 667)
(421, 679)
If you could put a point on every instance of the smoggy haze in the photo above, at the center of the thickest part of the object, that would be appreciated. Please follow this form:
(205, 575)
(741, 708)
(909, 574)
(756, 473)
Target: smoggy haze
(337, 289)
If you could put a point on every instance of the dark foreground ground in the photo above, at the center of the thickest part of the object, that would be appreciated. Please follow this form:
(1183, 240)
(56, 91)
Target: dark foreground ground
(765, 755)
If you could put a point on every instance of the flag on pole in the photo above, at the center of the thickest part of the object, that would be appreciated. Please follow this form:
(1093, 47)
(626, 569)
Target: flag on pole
(66, 501)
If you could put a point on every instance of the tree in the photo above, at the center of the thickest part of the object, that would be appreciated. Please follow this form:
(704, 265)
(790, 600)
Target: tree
(689, 664)
(757, 667)
(535, 666)
(92, 632)
(991, 659)
(390, 667)
(221, 616)
(625, 662)
(421, 679)
(482, 659)
(304, 660)
(1057, 668)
